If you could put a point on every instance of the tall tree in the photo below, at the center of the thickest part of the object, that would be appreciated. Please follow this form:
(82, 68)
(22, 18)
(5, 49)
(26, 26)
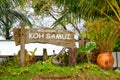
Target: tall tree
(8, 16)
(90, 9)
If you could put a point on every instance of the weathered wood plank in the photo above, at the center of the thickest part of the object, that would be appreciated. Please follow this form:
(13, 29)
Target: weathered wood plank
(46, 35)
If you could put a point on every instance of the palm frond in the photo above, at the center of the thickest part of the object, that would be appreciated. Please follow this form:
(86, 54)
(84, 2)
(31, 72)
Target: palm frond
(19, 16)
(60, 20)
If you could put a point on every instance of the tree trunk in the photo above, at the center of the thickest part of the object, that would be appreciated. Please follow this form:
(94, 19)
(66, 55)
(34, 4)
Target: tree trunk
(7, 35)
(7, 29)
(72, 57)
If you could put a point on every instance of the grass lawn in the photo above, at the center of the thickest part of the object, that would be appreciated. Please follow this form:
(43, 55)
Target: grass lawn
(42, 71)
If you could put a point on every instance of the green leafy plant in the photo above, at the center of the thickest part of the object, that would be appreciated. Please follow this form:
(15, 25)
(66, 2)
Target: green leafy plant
(104, 32)
(86, 49)
(33, 52)
(33, 72)
(117, 45)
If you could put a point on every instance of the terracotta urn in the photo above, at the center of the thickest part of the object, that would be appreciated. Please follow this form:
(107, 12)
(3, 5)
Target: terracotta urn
(105, 60)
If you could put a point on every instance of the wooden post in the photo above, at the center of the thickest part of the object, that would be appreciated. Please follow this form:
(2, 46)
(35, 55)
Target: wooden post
(45, 56)
(72, 56)
(22, 41)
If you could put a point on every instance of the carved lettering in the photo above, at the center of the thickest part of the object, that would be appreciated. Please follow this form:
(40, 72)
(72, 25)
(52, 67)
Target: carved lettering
(35, 35)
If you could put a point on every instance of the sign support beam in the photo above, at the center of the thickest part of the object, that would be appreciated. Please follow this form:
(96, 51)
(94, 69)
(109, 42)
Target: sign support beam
(22, 41)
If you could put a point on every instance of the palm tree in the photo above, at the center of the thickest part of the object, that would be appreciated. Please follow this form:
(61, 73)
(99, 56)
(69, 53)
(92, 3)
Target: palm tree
(8, 16)
(66, 16)
(86, 9)
(90, 9)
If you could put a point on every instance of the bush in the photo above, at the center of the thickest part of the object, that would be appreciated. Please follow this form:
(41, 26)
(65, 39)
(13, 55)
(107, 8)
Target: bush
(117, 45)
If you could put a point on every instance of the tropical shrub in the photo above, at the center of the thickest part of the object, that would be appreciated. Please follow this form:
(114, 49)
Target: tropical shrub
(104, 32)
(117, 45)
(87, 49)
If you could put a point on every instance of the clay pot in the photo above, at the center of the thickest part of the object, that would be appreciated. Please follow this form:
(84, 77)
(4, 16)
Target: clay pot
(105, 60)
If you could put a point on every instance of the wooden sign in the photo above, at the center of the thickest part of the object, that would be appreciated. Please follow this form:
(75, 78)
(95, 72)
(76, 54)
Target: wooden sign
(46, 35)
